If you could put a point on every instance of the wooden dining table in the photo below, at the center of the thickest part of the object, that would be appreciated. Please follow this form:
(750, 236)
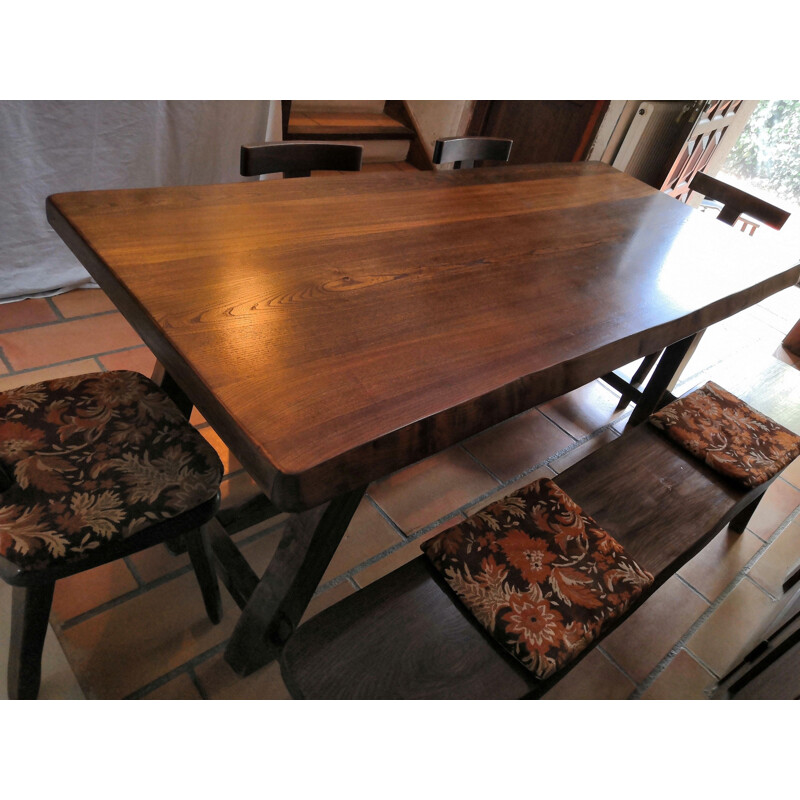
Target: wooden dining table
(334, 329)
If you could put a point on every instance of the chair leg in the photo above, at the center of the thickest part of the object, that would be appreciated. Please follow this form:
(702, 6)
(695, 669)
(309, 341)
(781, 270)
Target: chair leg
(176, 546)
(202, 559)
(30, 614)
(739, 522)
(792, 577)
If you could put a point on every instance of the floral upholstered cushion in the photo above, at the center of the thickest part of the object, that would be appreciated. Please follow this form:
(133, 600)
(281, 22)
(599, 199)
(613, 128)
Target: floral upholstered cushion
(94, 459)
(538, 574)
(730, 436)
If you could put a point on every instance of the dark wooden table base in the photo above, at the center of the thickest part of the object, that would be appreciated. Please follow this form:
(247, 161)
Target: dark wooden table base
(273, 608)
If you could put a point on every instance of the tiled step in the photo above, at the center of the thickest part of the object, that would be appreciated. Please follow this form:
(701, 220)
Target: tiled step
(344, 125)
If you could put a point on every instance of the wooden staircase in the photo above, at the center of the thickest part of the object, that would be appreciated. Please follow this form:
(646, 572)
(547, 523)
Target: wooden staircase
(384, 129)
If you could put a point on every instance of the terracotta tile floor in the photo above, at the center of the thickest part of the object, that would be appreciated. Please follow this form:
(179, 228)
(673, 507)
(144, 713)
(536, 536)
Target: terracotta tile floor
(136, 628)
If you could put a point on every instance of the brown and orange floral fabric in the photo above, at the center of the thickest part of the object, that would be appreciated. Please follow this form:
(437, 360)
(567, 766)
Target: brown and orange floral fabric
(93, 459)
(538, 574)
(730, 436)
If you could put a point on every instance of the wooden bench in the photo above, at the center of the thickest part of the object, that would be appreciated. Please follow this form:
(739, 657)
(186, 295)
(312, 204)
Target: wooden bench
(405, 637)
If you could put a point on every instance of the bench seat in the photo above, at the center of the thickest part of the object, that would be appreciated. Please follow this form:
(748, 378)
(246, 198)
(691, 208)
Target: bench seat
(404, 636)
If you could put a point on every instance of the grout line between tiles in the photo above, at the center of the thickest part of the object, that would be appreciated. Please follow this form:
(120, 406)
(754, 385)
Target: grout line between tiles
(197, 685)
(128, 561)
(623, 417)
(559, 454)
(714, 678)
(117, 601)
(735, 581)
(15, 372)
(55, 309)
(6, 363)
(529, 470)
(186, 667)
(395, 527)
(619, 667)
(480, 464)
(578, 443)
(60, 321)
(692, 588)
(551, 420)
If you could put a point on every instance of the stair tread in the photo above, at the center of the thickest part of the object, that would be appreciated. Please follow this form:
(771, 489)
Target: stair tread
(348, 125)
(339, 106)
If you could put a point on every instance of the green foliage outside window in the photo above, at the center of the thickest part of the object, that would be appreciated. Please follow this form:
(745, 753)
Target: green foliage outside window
(767, 154)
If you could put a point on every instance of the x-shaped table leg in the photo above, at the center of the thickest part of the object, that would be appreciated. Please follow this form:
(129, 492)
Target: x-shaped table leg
(273, 605)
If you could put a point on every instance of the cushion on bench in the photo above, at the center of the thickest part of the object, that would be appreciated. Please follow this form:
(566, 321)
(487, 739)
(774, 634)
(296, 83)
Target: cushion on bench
(538, 574)
(730, 436)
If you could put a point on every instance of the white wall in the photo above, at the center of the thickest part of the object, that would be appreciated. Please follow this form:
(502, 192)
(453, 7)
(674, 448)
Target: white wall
(64, 146)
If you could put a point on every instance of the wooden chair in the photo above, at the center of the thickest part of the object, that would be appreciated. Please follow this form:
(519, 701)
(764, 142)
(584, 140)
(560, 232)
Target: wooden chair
(298, 159)
(95, 467)
(406, 636)
(734, 202)
(464, 151)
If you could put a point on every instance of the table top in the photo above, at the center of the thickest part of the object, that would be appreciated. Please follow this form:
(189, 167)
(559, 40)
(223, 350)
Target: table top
(333, 329)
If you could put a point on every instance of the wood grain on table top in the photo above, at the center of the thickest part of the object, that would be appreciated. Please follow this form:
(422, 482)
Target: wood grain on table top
(334, 329)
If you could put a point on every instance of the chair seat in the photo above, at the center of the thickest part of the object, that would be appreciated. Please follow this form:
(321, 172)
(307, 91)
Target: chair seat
(93, 460)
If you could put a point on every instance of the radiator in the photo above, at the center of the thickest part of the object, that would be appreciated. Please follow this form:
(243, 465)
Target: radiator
(650, 138)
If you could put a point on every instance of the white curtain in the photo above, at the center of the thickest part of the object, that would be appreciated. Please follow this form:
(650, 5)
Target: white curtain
(63, 146)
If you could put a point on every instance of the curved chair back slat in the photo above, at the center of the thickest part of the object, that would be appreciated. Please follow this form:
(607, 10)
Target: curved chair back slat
(736, 202)
(464, 151)
(298, 159)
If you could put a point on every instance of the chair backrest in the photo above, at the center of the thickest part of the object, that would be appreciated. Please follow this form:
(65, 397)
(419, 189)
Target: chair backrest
(736, 202)
(297, 159)
(464, 151)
